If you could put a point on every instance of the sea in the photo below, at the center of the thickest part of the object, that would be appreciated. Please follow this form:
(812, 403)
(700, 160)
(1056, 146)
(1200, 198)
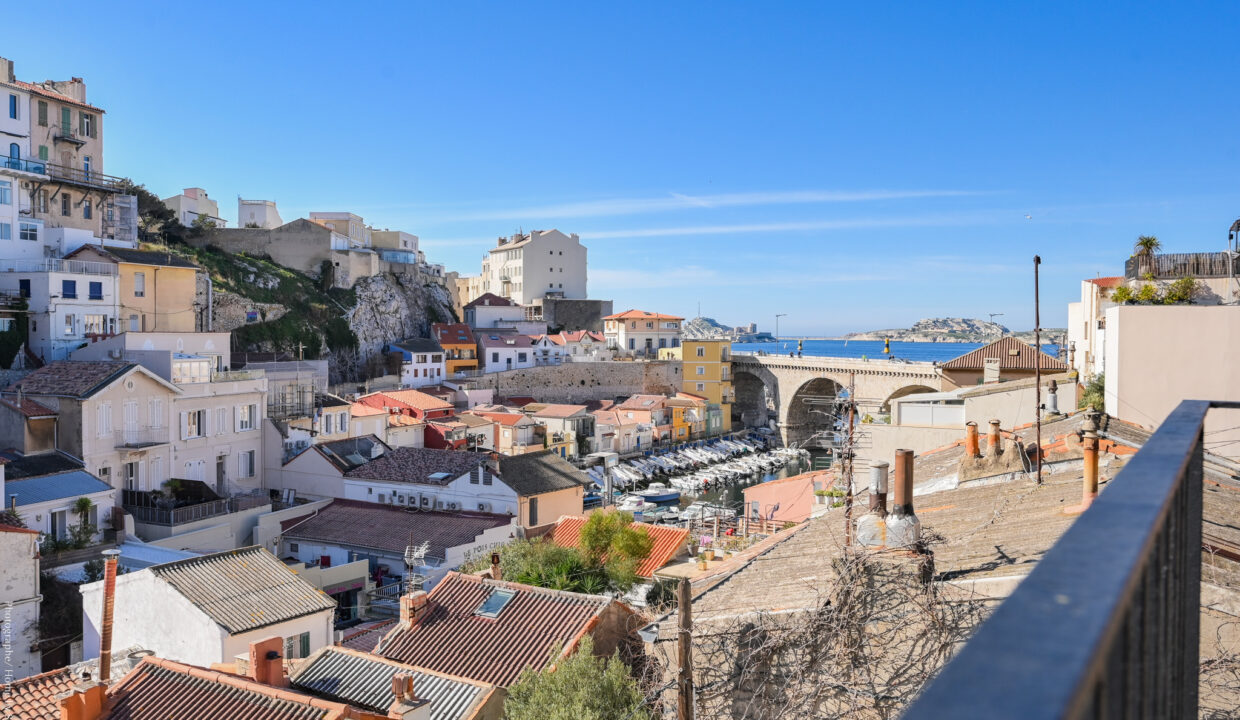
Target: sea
(913, 351)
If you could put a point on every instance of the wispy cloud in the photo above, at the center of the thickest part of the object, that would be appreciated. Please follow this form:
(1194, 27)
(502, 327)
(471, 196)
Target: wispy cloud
(679, 201)
(947, 220)
(698, 276)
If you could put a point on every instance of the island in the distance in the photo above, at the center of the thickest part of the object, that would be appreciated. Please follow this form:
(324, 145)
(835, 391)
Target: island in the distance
(960, 330)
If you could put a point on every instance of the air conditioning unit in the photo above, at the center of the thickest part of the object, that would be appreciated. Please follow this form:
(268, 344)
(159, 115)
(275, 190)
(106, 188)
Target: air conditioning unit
(454, 506)
(401, 500)
(426, 501)
(484, 507)
(439, 504)
(382, 498)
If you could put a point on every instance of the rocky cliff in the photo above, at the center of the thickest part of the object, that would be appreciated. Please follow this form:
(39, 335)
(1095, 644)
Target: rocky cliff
(966, 330)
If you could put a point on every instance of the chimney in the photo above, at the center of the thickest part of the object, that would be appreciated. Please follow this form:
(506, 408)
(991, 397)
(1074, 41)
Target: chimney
(971, 443)
(6, 70)
(994, 438)
(903, 527)
(109, 600)
(84, 702)
(871, 529)
(1052, 398)
(496, 572)
(267, 662)
(406, 705)
(413, 608)
(402, 686)
(1089, 445)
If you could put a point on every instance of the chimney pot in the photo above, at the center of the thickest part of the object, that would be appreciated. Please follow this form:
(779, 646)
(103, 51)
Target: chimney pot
(496, 572)
(878, 488)
(903, 527)
(267, 662)
(972, 447)
(995, 439)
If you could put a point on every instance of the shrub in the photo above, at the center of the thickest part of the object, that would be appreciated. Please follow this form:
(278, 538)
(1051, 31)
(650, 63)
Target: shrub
(1094, 394)
(581, 687)
(1122, 294)
(1181, 291)
(1148, 293)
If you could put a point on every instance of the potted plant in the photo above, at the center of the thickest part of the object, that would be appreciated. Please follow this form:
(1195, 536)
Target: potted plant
(702, 561)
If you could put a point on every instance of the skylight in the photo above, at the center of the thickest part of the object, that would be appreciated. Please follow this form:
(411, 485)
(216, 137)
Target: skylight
(495, 603)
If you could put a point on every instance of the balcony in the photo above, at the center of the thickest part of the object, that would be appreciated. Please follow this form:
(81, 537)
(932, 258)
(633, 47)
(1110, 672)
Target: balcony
(77, 267)
(1107, 624)
(26, 165)
(85, 178)
(153, 508)
(66, 133)
(138, 438)
(1178, 265)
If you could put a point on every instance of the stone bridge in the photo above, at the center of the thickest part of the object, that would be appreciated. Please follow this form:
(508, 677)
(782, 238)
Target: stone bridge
(787, 390)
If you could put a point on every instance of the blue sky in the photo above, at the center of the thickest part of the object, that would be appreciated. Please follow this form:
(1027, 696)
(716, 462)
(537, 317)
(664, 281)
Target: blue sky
(854, 166)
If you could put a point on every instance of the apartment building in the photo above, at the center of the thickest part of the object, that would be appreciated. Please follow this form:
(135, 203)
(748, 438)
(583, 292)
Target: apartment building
(157, 290)
(707, 373)
(69, 302)
(194, 205)
(396, 246)
(420, 361)
(642, 333)
(542, 263)
(459, 347)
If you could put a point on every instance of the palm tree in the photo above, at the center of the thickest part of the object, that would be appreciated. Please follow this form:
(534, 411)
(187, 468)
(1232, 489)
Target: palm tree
(1143, 249)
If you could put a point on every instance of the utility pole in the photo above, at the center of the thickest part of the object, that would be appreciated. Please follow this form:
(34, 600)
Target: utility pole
(684, 680)
(1037, 368)
(848, 459)
(777, 317)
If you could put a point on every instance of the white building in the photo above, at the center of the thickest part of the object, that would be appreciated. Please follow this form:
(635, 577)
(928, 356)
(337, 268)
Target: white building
(46, 498)
(20, 597)
(430, 479)
(1087, 326)
(209, 609)
(491, 312)
(505, 351)
(547, 351)
(192, 204)
(642, 333)
(21, 235)
(421, 361)
(543, 263)
(583, 345)
(70, 301)
(258, 214)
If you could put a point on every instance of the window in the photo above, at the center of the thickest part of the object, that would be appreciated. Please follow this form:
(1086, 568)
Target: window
(23, 287)
(40, 202)
(533, 511)
(103, 419)
(245, 464)
(649, 326)
(421, 359)
(631, 344)
(94, 324)
(292, 547)
(96, 291)
(6, 324)
(68, 289)
(193, 425)
(13, 105)
(6, 231)
(701, 369)
(494, 355)
(66, 118)
(701, 386)
(247, 415)
(43, 152)
(495, 602)
(65, 205)
(133, 323)
(221, 420)
(139, 285)
(521, 357)
(342, 421)
(297, 646)
(28, 231)
(155, 412)
(42, 113)
(87, 209)
(436, 358)
(86, 124)
(6, 192)
(69, 324)
(701, 352)
(327, 424)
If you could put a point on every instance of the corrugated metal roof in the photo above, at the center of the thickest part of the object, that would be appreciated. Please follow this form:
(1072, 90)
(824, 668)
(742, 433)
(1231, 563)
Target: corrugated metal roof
(1012, 354)
(46, 488)
(667, 541)
(136, 554)
(453, 639)
(163, 690)
(387, 528)
(243, 589)
(365, 681)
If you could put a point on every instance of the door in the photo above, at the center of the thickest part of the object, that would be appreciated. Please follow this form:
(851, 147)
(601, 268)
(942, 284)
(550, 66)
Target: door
(219, 475)
(533, 511)
(59, 524)
(86, 166)
(131, 422)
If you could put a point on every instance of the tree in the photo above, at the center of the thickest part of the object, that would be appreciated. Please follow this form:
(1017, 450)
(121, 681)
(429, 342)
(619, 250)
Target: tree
(1143, 249)
(202, 225)
(1094, 395)
(1181, 291)
(608, 539)
(84, 531)
(155, 219)
(580, 687)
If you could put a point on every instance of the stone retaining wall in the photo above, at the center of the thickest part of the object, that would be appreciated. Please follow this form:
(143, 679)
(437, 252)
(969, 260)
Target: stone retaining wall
(576, 382)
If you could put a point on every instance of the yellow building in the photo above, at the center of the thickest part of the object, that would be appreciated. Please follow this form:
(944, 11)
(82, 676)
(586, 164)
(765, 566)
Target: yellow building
(707, 368)
(158, 290)
(459, 347)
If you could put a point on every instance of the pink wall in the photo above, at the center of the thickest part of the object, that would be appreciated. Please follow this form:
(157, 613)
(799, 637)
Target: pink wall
(794, 495)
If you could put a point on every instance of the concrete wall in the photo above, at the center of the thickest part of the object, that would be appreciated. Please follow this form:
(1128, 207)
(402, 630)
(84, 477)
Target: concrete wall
(884, 440)
(19, 594)
(267, 529)
(573, 382)
(570, 315)
(1157, 356)
(226, 532)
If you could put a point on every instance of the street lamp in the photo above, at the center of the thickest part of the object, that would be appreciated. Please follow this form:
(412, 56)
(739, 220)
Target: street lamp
(777, 317)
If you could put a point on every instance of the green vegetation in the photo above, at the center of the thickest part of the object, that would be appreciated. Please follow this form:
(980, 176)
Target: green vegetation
(314, 316)
(12, 339)
(606, 559)
(1177, 292)
(1094, 397)
(580, 687)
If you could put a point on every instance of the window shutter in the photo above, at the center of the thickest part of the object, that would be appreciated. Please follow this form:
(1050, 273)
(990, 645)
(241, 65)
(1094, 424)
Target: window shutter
(236, 419)
(184, 426)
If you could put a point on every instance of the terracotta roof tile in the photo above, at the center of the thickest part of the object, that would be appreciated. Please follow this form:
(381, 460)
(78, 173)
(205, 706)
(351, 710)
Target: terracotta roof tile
(29, 408)
(1108, 282)
(668, 541)
(560, 411)
(34, 698)
(452, 333)
(641, 315)
(454, 639)
(351, 523)
(404, 399)
(1012, 354)
(72, 378)
(52, 94)
(490, 300)
(417, 465)
(364, 637)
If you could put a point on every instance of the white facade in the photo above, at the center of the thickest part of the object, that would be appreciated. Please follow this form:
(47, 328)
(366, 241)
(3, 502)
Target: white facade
(547, 352)
(258, 214)
(505, 352)
(527, 268)
(641, 333)
(476, 491)
(420, 367)
(69, 300)
(19, 603)
(151, 614)
(21, 235)
(1087, 327)
(193, 203)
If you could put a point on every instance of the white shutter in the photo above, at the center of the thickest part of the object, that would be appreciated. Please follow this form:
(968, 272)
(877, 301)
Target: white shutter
(185, 427)
(236, 419)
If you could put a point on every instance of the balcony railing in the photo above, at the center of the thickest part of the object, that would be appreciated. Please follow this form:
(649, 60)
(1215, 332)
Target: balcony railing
(82, 176)
(1178, 265)
(237, 375)
(80, 267)
(135, 503)
(1106, 625)
(38, 167)
(143, 437)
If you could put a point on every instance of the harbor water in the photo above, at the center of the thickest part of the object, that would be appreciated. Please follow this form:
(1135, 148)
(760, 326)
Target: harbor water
(733, 495)
(912, 351)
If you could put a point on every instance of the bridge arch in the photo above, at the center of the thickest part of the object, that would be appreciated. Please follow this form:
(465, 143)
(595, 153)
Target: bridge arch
(757, 397)
(810, 408)
(904, 392)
